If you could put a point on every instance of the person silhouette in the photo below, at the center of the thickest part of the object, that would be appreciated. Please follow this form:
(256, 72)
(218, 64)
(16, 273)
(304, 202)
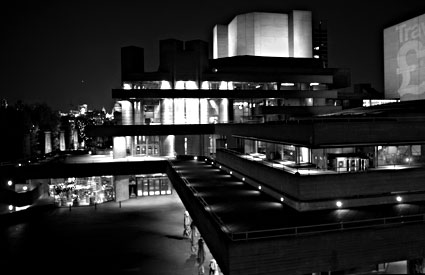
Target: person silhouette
(201, 257)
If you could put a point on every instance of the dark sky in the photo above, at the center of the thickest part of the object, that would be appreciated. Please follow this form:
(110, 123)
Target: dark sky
(66, 53)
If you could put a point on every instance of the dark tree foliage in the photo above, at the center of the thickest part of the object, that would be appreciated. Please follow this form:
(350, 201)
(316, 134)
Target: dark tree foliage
(22, 129)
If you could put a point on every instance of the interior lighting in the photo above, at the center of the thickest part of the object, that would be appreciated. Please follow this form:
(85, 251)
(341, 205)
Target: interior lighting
(399, 199)
(179, 85)
(220, 166)
(259, 187)
(165, 85)
(338, 203)
(25, 188)
(231, 172)
(288, 84)
(195, 157)
(316, 48)
(243, 179)
(316, 56)
(10, 207)
(9, 182)
(281, 199)
(314, 84)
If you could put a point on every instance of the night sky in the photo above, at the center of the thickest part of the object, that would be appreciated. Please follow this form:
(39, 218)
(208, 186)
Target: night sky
(66, 53)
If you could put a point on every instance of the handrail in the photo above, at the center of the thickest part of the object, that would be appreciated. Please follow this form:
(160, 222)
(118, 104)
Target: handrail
(201, 200)
(329, 227)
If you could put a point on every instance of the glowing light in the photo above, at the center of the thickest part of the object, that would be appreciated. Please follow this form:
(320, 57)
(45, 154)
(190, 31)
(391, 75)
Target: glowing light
(338, 203)
(205, 85)
(19, 164)
(165, 85)
(25, 188)
(17, 208)
(231, 172)
(9, 182)
(281, 199)
(316, 48)
(399, 199)
(316, 56)
(314, 84)
(220, 166)
(259, 187)
(195, 157)
(89, 152)
(179, 85)
(212, 162)
(288, 84)
(230, 85)
(10, 207)
(223, 85)
(191, 85)
(127, 86)
(243, 179)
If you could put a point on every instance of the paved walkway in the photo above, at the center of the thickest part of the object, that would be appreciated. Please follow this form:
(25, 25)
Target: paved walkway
(144, 236)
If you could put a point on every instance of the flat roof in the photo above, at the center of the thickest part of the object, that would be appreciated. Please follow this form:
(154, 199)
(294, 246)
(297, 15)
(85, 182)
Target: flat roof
(242, 209)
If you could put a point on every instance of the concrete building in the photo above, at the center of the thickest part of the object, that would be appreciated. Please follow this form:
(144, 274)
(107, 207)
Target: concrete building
(278, 170)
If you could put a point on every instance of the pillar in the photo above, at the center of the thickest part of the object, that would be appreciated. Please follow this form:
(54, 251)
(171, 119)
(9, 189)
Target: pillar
(167, 145)
(75, 139)
(121, 185)
(126, 112)
(62, 141)
(138, 114)
(223, 115)
(47, 142)
(167, 111)
(203, 111)
(119, 145)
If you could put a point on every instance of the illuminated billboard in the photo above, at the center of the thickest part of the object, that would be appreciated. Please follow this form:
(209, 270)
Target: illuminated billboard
(404, 60)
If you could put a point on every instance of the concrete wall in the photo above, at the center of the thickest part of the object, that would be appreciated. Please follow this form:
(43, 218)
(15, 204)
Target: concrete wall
(301, 34)
(337, 251)
(121, 187)
(220, 41)
(259, 34)
(346, 186)
(120, 147)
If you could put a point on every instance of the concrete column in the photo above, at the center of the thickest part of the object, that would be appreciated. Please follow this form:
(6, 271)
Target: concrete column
(192, 111)
(167, 111)
(223, 116)
(119, 145)
(62, 141)
(193, 145)
(203, 111)
(47, 142)
(179, 111)
(126, 112)
(138, 115)
(75, 139)
(121, 184)
(167, 146)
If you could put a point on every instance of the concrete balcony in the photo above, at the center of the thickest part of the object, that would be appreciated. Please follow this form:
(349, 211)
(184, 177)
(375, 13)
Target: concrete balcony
(322, 189)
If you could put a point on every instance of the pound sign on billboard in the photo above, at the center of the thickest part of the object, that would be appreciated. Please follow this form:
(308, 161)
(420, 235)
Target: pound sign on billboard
(405, 69)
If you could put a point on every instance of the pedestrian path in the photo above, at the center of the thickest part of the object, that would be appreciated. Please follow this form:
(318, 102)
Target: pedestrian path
(144, 236)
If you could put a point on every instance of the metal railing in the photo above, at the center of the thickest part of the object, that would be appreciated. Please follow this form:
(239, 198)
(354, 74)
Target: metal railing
(330, 227)
(206, 206)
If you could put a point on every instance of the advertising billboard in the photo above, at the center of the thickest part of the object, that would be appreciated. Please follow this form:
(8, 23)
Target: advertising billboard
(404, 60)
